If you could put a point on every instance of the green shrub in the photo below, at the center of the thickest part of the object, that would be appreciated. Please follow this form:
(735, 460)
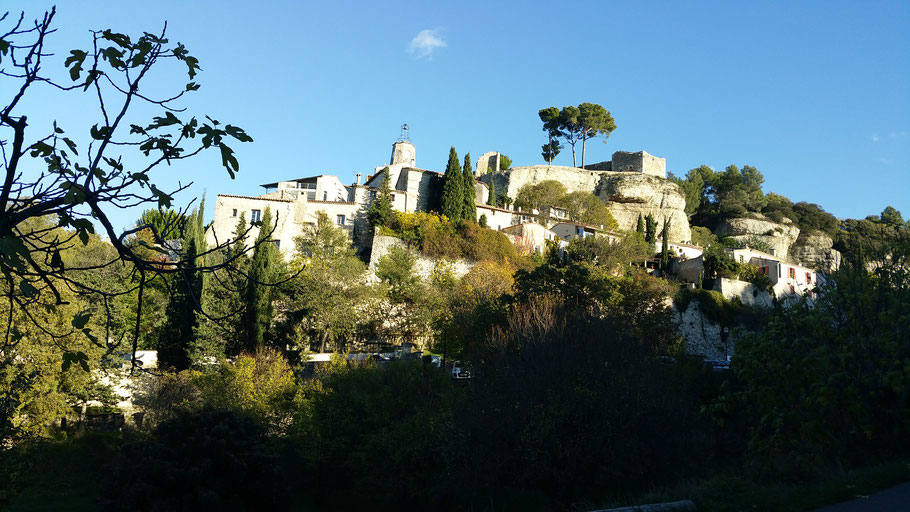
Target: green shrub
(437, 237)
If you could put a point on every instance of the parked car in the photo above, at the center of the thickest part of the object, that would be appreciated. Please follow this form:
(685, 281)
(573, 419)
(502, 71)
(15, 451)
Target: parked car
(460, 372)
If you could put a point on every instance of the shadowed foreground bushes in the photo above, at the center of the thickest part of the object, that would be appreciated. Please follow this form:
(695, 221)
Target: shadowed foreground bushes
(200, 460)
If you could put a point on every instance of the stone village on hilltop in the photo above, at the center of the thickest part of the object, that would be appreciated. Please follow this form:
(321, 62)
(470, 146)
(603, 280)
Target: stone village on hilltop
(631, 184)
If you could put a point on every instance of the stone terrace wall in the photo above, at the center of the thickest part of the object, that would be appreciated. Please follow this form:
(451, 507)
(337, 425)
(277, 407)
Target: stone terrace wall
(513, 180)
(424, 267)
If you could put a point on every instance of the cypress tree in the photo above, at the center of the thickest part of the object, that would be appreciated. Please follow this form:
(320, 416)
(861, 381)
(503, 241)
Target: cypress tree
(640, 226)
(492, 200)
(380, 212)
(218, 334)
(650, 229)
(469, 213)
(665, 247)
(239, 243)
(258, 314)
(177, 335)
(453, 184)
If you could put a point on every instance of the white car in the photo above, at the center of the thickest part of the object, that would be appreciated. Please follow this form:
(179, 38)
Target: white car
(459, 372)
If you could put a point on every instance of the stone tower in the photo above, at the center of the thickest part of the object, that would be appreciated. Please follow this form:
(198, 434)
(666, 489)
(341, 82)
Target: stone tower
(403, 152)
(488, 162)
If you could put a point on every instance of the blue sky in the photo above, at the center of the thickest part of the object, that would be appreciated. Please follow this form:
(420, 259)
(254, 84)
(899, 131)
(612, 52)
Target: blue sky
(816, 95)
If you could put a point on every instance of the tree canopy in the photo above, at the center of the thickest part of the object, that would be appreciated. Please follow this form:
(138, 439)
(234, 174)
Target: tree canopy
(574, 124)
(539, 195)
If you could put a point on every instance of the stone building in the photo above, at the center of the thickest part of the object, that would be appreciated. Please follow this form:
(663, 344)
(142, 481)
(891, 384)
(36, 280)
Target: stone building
(298, 202)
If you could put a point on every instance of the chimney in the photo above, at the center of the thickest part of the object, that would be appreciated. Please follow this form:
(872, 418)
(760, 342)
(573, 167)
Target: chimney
(358, 179)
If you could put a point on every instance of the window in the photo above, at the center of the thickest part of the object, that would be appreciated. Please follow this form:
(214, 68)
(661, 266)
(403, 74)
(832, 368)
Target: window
(235, 213)
(255, 215)
(808, 278)
(340, 220)
(325, 196)
(372, 194)
(791, 273)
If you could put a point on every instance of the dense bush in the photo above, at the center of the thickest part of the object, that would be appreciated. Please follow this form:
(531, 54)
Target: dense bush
(437, 237)
(200, 460)
(378, 434)
(827, 380)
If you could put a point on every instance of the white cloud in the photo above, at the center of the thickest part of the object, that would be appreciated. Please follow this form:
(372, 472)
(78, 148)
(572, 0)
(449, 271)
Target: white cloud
(425, 43)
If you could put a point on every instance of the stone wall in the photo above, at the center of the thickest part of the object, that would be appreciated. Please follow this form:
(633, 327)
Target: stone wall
(424, 266)
(702, 336)
(624, 161)
(599, 166)
(746, 292)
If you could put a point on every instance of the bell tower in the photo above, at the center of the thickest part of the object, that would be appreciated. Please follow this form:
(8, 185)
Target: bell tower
(403, 151)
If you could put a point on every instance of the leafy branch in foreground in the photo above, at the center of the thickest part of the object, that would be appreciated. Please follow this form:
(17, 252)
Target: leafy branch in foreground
(49, 175)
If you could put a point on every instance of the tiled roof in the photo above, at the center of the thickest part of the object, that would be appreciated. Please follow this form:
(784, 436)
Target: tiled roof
(258, 198)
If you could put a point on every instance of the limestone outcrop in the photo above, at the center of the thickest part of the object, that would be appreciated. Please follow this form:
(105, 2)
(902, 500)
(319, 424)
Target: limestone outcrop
(626, 194)
(629, 195)
(815, 250)
(513, 180)
(780, 236)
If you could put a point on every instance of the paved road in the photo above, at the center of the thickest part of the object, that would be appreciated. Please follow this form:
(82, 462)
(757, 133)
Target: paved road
(895, 499)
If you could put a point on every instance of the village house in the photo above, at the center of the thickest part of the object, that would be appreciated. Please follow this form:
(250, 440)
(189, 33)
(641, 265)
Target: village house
(568, 230)
(531, 236)
(681, 250)
(786, 277)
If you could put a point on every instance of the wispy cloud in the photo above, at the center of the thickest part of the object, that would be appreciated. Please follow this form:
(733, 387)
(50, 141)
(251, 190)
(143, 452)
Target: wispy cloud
(886, 161)
(895, 135)
(425, 43)
(876, 137)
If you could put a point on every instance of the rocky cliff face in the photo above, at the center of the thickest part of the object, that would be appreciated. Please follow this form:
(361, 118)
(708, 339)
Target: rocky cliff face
(780, 236)
(626, 194)
(703, 336)
(629, 195)
(815, 250)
